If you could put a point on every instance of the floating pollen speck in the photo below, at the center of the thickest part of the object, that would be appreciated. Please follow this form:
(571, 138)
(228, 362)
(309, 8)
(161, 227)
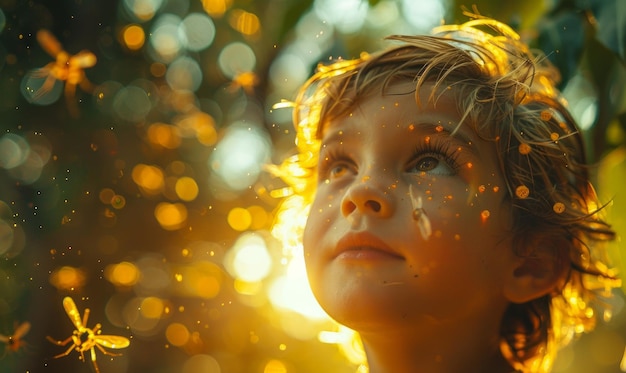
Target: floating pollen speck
(524, 148)
(522, 191)
(484, 215)
(558, 207)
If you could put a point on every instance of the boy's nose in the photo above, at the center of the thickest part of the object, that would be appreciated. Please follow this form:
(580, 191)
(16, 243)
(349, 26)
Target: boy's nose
(367, 198)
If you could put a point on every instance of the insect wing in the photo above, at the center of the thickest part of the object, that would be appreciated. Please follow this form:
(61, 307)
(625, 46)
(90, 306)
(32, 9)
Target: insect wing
(416, 202)
(21, 330)
(4, 338)
(83, 59)
(425, 227)
(72, 312)
(112, 341)
(49, 43)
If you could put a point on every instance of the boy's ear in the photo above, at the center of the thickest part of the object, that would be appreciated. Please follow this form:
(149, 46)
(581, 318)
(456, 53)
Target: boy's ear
(542, 268)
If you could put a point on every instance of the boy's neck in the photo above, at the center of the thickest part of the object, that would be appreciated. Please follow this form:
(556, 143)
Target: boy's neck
(470, 348)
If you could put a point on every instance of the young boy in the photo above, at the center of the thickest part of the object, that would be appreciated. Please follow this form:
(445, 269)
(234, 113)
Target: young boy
(451, 220)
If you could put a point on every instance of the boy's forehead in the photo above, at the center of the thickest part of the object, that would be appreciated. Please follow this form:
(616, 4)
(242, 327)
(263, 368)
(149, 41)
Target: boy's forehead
(402, 105)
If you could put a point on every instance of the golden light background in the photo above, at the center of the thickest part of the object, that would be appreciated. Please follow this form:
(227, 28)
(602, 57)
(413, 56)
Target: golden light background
(133, 151)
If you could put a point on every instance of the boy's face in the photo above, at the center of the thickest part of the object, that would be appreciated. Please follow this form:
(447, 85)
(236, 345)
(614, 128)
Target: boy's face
(370, 258)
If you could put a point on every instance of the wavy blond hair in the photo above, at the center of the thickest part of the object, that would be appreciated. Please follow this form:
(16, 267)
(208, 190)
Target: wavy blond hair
(507, 94)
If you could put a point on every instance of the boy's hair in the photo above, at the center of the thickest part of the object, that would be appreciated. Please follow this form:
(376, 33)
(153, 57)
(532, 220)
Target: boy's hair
(507, 94)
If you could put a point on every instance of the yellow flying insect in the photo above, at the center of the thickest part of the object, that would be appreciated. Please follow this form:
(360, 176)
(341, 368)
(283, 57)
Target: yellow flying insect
(14, 342)
(66, 68)
(84, 338)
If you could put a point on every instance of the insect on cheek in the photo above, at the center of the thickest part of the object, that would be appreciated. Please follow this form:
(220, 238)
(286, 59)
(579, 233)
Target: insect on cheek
(419, 215)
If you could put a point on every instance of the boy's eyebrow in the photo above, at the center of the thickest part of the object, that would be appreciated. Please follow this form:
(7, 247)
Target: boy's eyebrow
(457, 133)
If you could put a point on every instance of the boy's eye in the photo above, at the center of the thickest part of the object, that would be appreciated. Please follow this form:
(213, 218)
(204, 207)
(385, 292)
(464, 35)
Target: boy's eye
(337, 171)
(433, 164)
(427, 164)
(335, 165)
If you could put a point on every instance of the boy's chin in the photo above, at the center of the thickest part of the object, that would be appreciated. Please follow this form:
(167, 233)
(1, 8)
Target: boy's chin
(362, 310)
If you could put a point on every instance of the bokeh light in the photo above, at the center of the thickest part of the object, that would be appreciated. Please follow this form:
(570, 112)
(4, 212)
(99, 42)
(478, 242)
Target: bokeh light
(347, 16)
(6, 237)
(68, 278)
(14, 151)
(249, 259)
(424, 15)
(245, 22)
(235, 59)
(177, 334)
(216, 8)
(132, 103)
(133, 37)
(171, 216)
(201, 363)
(39, 88)
(240, 155)
(143, 10)
(184, 73)
(199, 31)
(166, 39)
(122, 274)
(186, 188)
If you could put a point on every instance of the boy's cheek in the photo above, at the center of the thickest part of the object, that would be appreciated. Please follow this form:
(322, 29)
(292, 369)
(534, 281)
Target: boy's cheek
(455, 216)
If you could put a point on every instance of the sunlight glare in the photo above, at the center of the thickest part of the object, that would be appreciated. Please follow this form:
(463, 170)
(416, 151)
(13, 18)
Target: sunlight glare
(291, 291)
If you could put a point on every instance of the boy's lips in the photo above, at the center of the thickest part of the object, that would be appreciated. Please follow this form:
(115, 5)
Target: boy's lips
(364, 245)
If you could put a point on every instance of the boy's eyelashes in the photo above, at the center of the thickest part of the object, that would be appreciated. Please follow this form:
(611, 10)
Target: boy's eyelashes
(433, 157)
